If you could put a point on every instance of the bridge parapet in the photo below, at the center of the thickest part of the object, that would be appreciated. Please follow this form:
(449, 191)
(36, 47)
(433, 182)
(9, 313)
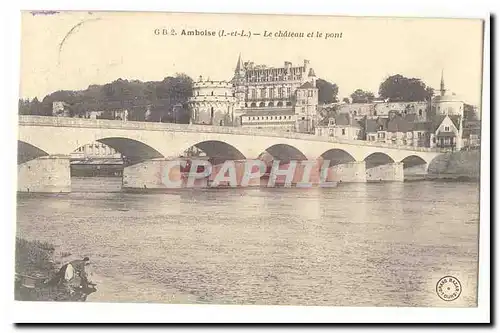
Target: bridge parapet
(152, 126)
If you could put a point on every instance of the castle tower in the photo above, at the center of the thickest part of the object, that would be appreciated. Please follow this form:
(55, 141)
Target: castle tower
(239, 88)
(306, 107)
(212, 103)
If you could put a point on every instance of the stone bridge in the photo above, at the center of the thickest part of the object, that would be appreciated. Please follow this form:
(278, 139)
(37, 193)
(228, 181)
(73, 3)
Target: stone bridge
(45, 143)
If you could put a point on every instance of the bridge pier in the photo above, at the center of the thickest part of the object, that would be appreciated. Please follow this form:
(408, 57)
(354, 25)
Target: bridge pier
(391, 172)
(352, 172)
(47, 174)
(416, 171)
(157, 174)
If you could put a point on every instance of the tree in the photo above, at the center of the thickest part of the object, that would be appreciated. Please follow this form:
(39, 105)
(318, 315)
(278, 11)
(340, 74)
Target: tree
(134, 96)
(327, 91)
(400, 88)
(346, 100)
(361, 96)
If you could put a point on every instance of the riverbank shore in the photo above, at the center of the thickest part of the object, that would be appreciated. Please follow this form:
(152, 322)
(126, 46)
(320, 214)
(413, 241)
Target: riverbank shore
(35, 264)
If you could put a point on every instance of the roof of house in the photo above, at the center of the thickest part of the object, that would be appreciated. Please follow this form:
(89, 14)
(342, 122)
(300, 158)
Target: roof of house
(341, 119)
(438, 120)
(399, 124)
(307, 85)
(422, 126)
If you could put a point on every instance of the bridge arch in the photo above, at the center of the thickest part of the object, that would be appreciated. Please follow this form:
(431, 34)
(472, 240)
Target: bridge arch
(285, 152)
(337, 156)
(133, 151)
(219, 151)
(413, 160)
(375, 159)
(27, 152)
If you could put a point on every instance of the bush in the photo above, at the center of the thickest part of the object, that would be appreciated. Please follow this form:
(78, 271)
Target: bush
(35, 259)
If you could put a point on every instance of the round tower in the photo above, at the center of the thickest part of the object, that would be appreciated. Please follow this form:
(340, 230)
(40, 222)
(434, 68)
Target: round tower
(213, 103)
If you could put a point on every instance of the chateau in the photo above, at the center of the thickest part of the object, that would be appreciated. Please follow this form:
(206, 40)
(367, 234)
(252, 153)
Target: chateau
(283, 98)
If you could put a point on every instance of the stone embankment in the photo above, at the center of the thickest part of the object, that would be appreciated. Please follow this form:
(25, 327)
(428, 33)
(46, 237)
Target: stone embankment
(457, 165)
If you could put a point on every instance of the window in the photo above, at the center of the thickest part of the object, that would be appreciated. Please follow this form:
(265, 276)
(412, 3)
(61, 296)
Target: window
(447, 128)
(288, 92)
(212, 93)
(420, 112)
(263, 93)
(343, 131)
(280, 118)
(289, 117)
(303, 118)
(254, 94)
(280, 92)
(271, 93)
(310, 93)
(381, 135)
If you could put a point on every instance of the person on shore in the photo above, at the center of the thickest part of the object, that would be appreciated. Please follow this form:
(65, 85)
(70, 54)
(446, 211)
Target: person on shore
(72, 276)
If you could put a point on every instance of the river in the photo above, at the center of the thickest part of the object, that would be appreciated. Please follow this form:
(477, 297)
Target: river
(367, 244)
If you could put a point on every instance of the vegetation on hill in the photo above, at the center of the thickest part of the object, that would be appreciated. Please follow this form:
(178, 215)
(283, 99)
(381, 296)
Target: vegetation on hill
(136, 96)
(400, 88)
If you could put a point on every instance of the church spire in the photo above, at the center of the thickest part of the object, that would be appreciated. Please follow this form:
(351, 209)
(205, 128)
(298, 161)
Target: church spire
(442, 89)
(239, 65)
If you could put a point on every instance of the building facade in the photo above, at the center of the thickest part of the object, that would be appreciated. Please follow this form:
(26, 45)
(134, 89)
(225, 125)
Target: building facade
(282, 99)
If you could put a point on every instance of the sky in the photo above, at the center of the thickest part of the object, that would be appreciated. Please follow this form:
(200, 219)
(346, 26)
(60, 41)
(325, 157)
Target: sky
(72, 50)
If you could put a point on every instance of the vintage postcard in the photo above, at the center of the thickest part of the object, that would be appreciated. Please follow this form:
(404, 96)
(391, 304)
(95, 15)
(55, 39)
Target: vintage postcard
(249, 159)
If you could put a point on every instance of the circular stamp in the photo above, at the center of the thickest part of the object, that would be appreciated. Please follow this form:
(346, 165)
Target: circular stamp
(448, 288)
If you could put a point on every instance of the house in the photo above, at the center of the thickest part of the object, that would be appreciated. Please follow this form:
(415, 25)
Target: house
(446, 132)
(340, 126)
(397, 129)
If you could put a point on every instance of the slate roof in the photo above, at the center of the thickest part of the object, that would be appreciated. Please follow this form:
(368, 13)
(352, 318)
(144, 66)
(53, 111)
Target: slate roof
(422, 126)
(307, 85)
(341, 119)
(399, 124)
(438, 120)
(371, 125)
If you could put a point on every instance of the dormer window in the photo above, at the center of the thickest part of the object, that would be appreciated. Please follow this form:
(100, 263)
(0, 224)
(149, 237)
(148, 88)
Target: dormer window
(331, 122)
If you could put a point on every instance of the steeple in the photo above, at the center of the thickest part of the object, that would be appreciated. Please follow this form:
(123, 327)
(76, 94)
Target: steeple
(239, 65)
(442, 89)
